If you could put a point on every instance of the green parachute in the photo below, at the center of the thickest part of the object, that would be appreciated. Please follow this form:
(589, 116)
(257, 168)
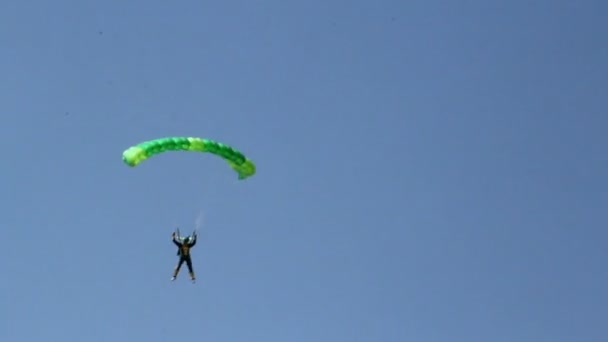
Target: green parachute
(144, 150)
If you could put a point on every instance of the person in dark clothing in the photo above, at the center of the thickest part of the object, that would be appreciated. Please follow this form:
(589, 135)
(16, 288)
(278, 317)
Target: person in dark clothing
(183, 251)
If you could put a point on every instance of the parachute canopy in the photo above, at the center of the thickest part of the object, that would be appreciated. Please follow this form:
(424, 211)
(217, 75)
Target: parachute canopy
(144, 150)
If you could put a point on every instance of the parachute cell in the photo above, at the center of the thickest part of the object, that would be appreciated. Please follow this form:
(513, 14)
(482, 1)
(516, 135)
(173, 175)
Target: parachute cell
(144, 150)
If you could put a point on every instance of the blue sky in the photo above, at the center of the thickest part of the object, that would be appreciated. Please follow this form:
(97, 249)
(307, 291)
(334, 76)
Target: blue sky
(427, 170)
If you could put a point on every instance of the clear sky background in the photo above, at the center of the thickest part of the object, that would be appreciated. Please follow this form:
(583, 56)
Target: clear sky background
(427, 170)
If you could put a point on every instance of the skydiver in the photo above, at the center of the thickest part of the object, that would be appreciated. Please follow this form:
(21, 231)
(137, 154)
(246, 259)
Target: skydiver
(183, 250)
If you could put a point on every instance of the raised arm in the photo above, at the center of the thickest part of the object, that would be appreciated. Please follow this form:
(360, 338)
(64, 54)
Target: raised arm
(175, 240)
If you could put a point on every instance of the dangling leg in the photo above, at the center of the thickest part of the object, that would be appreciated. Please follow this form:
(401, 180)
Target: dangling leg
(179, 265)
(189, 263)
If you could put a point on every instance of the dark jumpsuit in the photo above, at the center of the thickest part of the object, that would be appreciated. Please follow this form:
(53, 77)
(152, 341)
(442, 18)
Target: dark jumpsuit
(183, 250)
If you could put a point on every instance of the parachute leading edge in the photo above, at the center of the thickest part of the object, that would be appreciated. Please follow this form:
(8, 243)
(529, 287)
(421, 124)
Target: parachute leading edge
(243, 166)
